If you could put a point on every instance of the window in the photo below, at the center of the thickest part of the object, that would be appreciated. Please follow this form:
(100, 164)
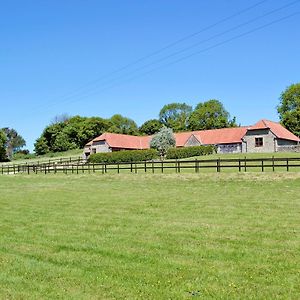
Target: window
(259, 142)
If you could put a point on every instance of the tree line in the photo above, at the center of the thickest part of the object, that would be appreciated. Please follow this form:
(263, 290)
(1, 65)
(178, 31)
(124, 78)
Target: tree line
(66, 133)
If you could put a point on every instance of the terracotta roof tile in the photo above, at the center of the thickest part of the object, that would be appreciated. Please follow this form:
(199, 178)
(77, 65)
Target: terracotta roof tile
(276, 128)
(221, 136)
(205, 137)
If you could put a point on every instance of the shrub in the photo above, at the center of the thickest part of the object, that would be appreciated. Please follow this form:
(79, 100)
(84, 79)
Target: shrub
(21, 155)
(123, 156)
(163, 140)
(177, 153)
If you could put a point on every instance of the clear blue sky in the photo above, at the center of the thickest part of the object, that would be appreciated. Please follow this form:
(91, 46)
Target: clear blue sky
(54, 53)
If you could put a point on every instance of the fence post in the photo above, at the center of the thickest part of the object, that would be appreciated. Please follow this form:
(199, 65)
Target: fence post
(152, 166)
(118, 168)
(178, 166)
(273, 167)
(135, 168)
(262, 165)
(162, 166)
(239, 165)
(287, 164)
(245, 166)
(145, 166)
(131, 167)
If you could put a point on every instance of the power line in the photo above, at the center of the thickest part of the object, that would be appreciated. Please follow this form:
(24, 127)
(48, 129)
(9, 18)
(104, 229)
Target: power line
(190, 47)
(156, 52)
(197, 53)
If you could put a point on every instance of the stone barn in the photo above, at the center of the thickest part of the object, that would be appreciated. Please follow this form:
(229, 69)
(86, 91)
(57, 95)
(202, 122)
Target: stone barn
(264, 136)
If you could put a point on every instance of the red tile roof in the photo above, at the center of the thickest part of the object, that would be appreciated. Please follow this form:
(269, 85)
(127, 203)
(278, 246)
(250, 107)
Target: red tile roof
(115, 140)
(221, 136)
(205, 137)
(276, 128)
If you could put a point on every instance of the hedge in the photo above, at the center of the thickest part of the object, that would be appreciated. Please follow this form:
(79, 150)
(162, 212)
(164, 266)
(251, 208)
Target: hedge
(177, 153)
(123, 156)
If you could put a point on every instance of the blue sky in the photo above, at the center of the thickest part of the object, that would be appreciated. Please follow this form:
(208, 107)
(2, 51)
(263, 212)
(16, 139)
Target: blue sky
(61, 57)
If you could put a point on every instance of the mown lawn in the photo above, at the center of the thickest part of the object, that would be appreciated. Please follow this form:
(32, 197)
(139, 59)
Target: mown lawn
(161, 236)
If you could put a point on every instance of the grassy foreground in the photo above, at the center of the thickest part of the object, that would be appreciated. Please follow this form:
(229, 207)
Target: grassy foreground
(177, 236)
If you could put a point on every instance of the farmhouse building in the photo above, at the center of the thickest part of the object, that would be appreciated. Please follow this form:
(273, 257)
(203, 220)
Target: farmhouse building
(264, 136)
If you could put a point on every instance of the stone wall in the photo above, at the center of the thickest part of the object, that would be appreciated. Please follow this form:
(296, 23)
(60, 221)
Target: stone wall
(269, 144)
(99, 147)
(229, 148)
(289, 148)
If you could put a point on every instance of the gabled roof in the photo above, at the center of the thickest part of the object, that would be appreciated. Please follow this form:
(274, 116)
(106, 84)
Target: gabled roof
(205, 137)
(125, 141)
(221, 136)
(278, 130)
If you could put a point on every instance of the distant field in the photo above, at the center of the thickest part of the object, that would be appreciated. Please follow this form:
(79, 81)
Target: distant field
(44, 158)
(203, 236)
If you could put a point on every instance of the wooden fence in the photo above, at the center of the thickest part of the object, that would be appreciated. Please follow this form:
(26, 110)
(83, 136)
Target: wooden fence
(67, 160)
(168, 166)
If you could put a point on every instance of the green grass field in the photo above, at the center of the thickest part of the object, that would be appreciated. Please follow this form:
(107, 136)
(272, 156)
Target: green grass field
(176, 236)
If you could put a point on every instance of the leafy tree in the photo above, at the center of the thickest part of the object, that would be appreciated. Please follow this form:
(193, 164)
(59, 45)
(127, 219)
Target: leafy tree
(210, 115)
(150, 127)
(63, 143)
(175, 116)
(71, 133)
(41, 147)
(14, 141)
(2, 146)
(61, 118)
(289, 108)
(80, 130)
(163, 140)
(123, 125)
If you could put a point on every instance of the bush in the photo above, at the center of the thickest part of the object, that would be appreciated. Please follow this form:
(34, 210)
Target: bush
(123, 156)
(21, 155)
(177, 153)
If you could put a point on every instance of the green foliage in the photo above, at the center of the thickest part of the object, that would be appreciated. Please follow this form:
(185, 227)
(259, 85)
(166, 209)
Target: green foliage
(2, 146)
(289, 108)
(163, 140)
(14, 141)
(210, 115)
(41, 146)
(123, 156)
(185, 152)
(20, 155)
(63, 143)
(175, 116)
(123, 125)
(69, 134)
(150, 127)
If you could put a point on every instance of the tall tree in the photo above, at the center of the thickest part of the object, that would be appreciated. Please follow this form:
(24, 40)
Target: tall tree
(70, 133)
(124, 125)
(150, 127)
(210, 115)
(163, 140)
(289, 108)
(2, 146)
(175, 116)
(14, 141)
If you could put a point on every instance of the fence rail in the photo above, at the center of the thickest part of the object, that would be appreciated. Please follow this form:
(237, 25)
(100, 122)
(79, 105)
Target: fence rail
(78, 159)
(178, 166)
